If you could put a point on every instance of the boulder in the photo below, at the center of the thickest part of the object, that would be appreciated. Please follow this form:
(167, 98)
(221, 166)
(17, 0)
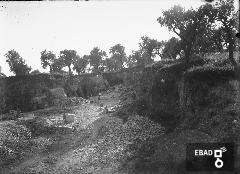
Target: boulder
(69, 118)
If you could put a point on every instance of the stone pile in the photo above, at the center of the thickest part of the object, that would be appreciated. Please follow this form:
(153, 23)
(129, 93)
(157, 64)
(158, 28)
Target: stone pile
(74, 101)
(114, 108)
(113, 140)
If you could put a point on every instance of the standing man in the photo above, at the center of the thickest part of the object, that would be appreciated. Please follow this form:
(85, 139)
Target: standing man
(99, 95)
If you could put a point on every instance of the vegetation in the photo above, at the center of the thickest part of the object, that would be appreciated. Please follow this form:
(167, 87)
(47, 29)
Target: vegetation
(35, 72)
(117, 57)
(208, 29)
(80, 64)
(191, 95)
(96, 59)
(16, 63)
(47, 59)
(172, 49)
(198, 29)
(57, 66)
(68, 57)
(227, 16)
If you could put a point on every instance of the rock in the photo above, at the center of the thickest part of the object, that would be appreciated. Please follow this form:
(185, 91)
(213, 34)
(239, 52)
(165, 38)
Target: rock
(37, 125)
(26, 116)
(13, 139)
(69, 118)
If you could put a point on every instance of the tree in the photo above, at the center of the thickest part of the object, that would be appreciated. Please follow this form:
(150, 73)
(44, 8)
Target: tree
(57, 66)
(147, 48)
(227, 17)
(135, 59)
(35, 72)
(212, 41)
(68, 57)
(118, 56)
(171, 49)
(16, 63)
(47, 59)
(109, 64)
(188, 25)
(80, 64)
(96, 56)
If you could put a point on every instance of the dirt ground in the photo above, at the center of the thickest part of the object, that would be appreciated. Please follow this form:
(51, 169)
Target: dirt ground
(106, 143)
(99, 143)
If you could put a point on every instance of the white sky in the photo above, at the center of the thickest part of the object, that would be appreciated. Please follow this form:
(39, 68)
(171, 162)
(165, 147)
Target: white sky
(31, 27)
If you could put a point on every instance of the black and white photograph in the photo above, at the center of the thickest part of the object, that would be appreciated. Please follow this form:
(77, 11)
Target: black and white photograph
(119, 87)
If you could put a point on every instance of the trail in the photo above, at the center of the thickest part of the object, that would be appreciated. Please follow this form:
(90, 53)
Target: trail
(86, 114)
(100, 143)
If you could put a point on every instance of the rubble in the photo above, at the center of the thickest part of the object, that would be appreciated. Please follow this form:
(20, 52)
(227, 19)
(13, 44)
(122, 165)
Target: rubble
(69, 118)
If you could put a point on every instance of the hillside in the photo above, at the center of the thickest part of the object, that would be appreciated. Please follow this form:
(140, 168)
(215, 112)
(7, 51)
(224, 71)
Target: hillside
(139, 126)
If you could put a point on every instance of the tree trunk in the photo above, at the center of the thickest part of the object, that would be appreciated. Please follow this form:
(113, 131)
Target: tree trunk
(231, 49)
(50, 69)
(187, 52)
(69, 70)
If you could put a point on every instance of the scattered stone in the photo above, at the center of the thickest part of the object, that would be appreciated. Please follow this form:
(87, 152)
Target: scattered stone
(69, 118)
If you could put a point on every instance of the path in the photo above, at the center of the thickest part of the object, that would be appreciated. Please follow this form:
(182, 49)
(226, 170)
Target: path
(99, 145)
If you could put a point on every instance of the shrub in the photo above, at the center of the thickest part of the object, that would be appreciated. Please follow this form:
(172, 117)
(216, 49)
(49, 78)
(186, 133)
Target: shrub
(89, 86)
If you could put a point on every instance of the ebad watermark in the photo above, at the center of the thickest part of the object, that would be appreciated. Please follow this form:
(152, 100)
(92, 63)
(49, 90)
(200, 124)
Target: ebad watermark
(210, 157)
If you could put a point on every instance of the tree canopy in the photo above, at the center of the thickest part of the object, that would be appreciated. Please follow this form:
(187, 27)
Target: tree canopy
(172, 48)
(80, 64)
(16, 63)
(118, 57)
(34, 72)
(147, 48)
(96, 56)
(226, 15)
(68, 57)
(188, 25)
(47, 59)
(57, 66)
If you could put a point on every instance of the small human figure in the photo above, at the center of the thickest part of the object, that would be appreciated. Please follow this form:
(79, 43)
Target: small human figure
(18, 112)
(106, 109)
(99, 95)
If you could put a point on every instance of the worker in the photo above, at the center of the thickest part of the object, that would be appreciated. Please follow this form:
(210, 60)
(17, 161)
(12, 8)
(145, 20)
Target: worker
(99, 95)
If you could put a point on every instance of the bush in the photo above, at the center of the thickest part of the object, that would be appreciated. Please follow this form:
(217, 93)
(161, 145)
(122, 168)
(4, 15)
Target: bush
(19, 91)
(113, 78)
(90, 86)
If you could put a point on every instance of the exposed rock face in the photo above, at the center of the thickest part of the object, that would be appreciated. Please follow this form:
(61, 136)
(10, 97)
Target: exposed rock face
(57, 96)
(177, 98)
(30, 92)
(236, 90)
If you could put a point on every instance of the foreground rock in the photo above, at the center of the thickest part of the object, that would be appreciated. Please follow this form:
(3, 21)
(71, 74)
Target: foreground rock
(112, 143)
(13, 140)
